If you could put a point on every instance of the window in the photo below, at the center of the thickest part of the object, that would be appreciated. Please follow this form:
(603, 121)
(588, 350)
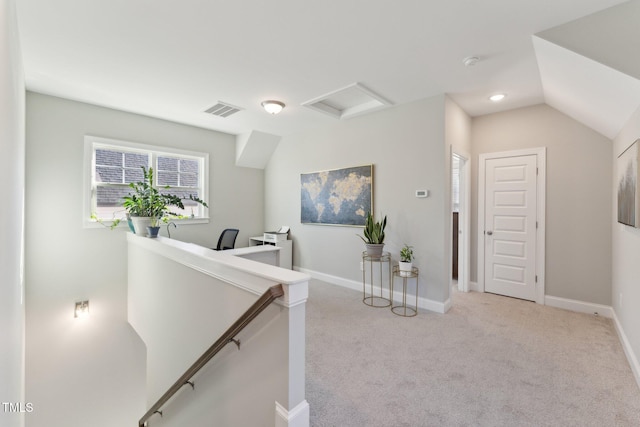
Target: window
(112, 165)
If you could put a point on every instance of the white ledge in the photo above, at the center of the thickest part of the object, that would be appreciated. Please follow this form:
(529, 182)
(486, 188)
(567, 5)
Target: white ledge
(230, 266)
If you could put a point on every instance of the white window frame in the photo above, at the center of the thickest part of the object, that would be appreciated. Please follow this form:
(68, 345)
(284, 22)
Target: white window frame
(93, 142)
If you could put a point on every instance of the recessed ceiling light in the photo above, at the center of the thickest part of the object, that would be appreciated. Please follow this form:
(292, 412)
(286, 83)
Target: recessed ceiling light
(497, 97)
(470, 61)
(273, 107)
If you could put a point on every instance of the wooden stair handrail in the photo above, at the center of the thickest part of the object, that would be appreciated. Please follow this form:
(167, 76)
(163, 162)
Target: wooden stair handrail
(228, 336)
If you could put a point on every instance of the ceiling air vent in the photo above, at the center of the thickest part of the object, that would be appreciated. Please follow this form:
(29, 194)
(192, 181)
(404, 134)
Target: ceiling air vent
(222, 109)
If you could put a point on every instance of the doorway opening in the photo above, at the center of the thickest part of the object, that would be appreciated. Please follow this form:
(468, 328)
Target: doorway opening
(460, 202)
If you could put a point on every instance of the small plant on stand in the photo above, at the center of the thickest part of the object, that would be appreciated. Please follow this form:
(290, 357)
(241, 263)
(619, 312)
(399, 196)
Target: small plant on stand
(406, 259)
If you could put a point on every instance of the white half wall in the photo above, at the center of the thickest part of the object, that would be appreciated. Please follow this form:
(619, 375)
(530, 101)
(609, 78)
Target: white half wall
(182, 298)
(12, 147)
(406, 145)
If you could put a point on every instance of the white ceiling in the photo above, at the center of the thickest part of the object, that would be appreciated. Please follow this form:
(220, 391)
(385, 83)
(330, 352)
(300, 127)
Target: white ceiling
(590, 67)
(174, 59)
(593, 94)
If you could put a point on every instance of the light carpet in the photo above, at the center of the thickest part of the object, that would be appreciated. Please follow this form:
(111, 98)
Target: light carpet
(490, 361)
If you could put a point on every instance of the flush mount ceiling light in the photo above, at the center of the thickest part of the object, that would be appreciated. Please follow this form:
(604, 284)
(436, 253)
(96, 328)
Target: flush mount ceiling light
(497, 97)
(470, 61)
(273, 107)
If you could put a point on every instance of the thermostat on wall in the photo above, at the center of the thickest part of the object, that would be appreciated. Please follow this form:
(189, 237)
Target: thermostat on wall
(422, 193)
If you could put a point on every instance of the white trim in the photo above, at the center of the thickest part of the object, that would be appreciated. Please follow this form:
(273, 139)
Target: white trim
(251, 276)
(143, 147)
(628, 350)
(296, 417)
(464, 224)
(579, 306)
(541, 164)
(424, 303)
(91, 142)
(473, 286)
(375, 102)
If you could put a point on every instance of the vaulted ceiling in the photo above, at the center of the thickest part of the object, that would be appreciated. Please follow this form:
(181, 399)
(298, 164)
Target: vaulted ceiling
(175, 59)
(590, 67)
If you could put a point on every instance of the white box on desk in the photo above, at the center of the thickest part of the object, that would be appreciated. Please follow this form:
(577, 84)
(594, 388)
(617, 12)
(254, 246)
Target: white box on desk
(274, 237)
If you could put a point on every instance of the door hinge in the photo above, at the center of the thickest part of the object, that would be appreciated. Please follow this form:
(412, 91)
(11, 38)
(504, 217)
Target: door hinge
(536, 278)
(536, 224)
(536, 171)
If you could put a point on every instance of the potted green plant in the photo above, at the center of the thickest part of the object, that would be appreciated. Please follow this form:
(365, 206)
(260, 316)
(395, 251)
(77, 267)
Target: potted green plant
(374, 235)
(147, 205)
(406, 258)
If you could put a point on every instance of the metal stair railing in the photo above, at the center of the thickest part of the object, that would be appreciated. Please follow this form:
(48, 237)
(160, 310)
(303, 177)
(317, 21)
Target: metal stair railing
(228, 336)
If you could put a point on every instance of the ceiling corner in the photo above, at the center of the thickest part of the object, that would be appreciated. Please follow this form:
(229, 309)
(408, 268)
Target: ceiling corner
(592, 93)
(254, 148)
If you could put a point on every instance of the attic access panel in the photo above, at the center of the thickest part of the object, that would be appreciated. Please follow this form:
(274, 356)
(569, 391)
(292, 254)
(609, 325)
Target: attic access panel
(347, 102)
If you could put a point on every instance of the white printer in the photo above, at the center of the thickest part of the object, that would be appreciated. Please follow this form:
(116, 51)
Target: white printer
(276, 236)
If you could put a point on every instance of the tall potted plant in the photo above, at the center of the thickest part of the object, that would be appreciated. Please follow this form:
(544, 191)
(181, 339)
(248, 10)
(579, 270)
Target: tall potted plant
(374, 235)
(147, 205)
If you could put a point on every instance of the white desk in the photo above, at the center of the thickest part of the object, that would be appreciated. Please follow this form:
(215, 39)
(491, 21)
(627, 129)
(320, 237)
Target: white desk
(286, 251)
(267, 254)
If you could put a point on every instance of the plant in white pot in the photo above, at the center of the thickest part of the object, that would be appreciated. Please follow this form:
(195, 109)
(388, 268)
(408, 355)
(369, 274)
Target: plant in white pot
(147, 205)
(406, 259)
(374, 235)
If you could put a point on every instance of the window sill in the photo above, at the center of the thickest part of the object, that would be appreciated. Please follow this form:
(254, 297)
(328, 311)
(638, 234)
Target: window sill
(123, 224)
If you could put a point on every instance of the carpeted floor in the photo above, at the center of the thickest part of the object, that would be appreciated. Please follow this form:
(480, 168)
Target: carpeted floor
(490, 361)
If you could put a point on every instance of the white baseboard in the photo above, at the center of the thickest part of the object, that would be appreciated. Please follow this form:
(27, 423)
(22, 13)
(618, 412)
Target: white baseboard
(558, 302)
(424, 303)
(446, 306)
(334, 280)
(579, 306)
(604, 311)
(628, 351)
(296, 417)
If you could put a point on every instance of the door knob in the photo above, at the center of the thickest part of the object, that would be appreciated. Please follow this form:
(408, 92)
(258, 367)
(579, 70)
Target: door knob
(489, 233)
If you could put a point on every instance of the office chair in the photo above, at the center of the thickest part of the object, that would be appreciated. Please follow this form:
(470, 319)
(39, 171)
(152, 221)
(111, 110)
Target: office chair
(227, 239)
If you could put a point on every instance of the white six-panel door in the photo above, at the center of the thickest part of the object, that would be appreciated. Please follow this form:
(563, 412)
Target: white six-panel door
(510, 226)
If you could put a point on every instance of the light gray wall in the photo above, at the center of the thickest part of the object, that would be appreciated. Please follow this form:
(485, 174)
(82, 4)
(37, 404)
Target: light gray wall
(93, 371)
(406, 146)
(626, 247)
(12, 147)
(578, 217)
(457, 127)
